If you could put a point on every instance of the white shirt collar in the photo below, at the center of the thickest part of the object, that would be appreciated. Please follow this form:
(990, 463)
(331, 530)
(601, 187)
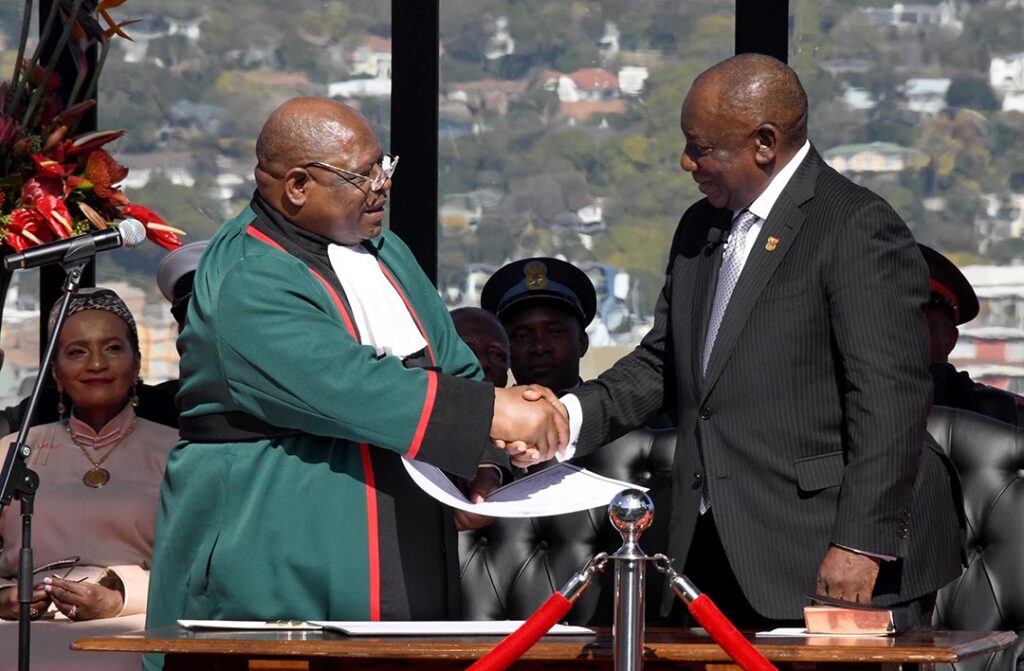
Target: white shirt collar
(763, 204)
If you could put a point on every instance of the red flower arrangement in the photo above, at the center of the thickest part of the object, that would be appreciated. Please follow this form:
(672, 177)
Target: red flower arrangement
(53, 183)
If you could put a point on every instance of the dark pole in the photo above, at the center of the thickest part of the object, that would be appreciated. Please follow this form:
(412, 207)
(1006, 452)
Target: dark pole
(414, 66)
(51, 278)
(762, 26)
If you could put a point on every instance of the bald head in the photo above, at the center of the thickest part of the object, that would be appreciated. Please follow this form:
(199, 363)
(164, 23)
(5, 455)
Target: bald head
(485, 335)
(762, 90)
(316, 160)
(743, 120)
(307, 129)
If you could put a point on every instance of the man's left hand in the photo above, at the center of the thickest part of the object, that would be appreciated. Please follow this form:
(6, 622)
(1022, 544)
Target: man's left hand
(486, 481)
(847, 575)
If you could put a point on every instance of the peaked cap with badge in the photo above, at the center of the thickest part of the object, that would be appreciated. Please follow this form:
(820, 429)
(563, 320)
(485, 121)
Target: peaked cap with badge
(540, 279)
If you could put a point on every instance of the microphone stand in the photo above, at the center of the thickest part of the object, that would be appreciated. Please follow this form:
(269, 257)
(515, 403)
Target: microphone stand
(16, 478)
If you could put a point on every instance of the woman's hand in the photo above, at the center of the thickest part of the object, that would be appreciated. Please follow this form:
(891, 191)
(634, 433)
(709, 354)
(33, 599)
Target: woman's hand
(84, 600)
(9, 602)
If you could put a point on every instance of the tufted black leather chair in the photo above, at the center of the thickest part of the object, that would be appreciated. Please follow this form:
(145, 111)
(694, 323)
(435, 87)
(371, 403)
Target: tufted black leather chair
(989, 457)
(512, 566)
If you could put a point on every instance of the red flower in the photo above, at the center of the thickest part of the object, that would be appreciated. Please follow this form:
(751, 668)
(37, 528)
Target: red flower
(25, 228)
(56, 213)
(49, 109)
(157, 229)
(36, 76)
(54, 185)
(45, 194)
(104, 172)
(72, 114)
(83, 144)
(46, 167)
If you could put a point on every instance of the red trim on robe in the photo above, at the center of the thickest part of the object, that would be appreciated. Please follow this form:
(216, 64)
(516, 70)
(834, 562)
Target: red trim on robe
(408, 306)
(428, 408)
(428, 402)
(330, 290)
(372, 533)
(262, 237)
(337, 301)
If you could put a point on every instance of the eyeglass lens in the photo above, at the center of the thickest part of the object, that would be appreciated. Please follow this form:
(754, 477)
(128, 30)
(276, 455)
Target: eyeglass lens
(387, 169)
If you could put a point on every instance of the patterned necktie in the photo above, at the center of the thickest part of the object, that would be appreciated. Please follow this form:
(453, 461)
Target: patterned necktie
(728, 274)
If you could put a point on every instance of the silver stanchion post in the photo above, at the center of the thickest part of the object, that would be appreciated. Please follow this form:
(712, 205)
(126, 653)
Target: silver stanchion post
(631, 513)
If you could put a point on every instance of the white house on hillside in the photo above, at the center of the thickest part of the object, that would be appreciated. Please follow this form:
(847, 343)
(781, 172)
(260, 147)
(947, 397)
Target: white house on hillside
(1006, 75)
(874, 157)
(926, 95)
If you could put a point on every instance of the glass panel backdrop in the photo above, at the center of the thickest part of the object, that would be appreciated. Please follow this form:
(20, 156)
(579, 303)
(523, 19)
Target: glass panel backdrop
(20, 326)
(559, 135)
(924, 104)
(192, 89)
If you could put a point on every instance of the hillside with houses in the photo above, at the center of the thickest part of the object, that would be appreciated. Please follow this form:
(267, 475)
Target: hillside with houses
(559, 120)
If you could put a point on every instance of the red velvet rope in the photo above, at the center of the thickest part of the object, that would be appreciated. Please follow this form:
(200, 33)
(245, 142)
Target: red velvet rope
(726, 635)
(522, 639)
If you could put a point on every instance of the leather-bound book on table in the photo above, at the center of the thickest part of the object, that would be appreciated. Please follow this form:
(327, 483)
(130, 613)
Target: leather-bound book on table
(835, 616)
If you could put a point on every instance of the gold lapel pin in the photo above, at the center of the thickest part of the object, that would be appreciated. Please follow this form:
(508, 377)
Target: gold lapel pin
(771, 244)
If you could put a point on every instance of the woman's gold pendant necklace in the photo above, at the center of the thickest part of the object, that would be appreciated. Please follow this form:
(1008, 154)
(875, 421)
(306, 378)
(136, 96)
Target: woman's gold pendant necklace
(97, 476)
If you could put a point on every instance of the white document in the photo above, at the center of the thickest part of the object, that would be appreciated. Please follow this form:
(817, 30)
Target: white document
(441, 628)
(560, 489)
(248, 624)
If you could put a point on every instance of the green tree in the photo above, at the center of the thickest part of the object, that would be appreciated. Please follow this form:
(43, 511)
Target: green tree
(973, 93)
(958, 146)
(991, 29)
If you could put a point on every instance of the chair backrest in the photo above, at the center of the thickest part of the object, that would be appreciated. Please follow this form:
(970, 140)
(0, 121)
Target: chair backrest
(512, 566)
(989, 458)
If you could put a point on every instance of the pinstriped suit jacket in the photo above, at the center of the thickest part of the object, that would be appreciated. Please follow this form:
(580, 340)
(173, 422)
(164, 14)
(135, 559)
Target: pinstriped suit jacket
(809, 427)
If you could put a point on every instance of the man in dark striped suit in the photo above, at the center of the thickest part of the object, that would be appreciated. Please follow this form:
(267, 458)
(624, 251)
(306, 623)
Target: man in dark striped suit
(790, 339)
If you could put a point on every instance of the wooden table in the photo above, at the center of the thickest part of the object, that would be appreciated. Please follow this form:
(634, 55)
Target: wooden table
(664, 648)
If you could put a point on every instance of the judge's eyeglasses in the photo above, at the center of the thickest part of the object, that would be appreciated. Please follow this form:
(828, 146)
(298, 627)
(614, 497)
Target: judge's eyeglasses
(379, 173)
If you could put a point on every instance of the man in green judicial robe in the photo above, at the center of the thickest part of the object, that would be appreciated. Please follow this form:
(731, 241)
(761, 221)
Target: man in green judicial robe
(286, 498)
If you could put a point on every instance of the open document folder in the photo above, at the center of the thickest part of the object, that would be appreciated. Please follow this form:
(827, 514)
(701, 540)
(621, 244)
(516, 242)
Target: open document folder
(427, 628)
(562, 488)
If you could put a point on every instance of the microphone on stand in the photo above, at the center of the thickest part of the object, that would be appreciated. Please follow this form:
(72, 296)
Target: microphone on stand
(128, 233)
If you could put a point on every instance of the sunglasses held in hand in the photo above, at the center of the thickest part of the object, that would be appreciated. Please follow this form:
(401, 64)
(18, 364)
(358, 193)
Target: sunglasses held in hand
(68, 563)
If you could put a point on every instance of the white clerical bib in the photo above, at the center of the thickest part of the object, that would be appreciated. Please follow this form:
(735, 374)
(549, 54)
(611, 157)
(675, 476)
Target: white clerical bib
(380, 313)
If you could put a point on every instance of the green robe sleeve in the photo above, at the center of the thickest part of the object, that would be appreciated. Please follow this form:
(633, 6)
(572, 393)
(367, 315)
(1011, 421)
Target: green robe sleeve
(288, 359)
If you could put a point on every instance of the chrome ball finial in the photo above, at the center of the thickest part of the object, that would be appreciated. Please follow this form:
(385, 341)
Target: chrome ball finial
(631, 512)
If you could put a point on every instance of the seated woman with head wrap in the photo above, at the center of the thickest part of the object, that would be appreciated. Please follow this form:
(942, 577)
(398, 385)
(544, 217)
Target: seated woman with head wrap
(100, 468)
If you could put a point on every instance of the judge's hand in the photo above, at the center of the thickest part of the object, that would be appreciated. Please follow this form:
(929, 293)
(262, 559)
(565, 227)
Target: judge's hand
(520, 453)
(531, 431)
(84, 600)
(9, 605)
(847, 575)
(486, 481)
(537, 392)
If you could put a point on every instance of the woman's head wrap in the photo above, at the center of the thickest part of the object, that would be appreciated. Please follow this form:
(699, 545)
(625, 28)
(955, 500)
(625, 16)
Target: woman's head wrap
(98, 298)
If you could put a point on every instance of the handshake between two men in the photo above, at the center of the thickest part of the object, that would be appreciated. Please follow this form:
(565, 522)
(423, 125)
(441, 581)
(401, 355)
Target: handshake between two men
(530, 423)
